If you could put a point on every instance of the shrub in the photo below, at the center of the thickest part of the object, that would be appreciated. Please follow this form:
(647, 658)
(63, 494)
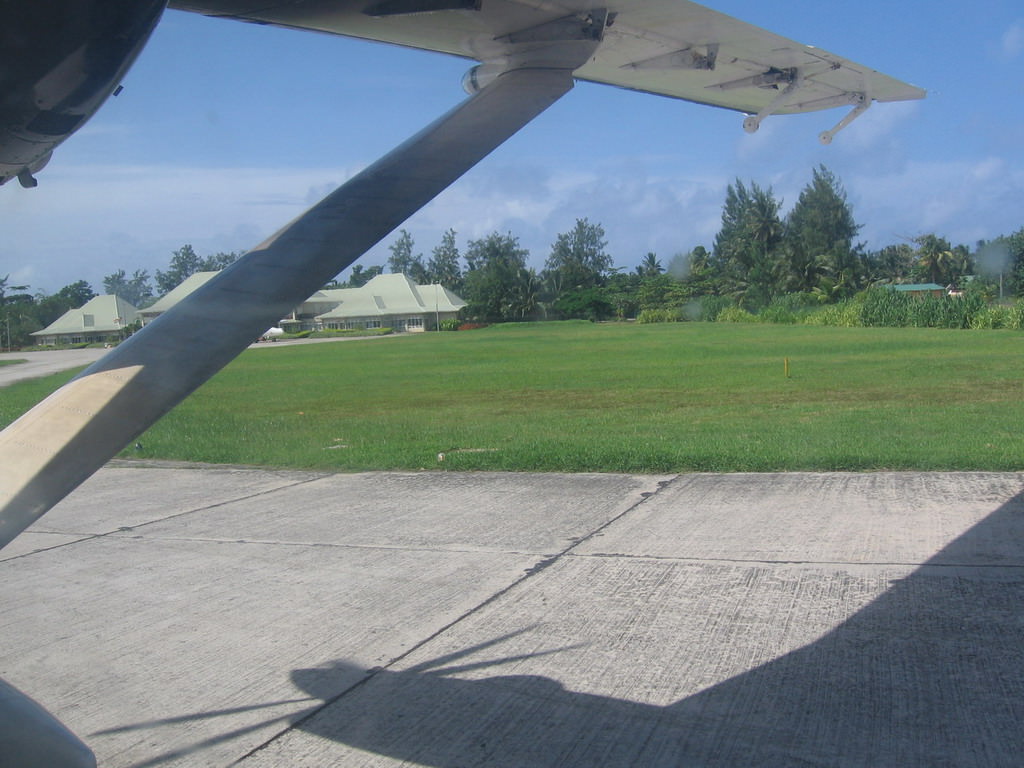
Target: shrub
(776, 313)
(735, 314)
(1015, 316)
(658, 316)
(329, 333)
(845, 314)
(884, 307)
(711, 307)
(992, 317)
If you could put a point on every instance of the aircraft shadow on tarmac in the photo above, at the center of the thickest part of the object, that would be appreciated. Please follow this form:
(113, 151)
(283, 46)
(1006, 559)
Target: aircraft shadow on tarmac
(930, 673)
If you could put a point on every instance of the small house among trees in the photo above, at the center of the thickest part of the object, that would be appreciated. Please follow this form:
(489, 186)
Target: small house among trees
(919, 290)
(102, 319)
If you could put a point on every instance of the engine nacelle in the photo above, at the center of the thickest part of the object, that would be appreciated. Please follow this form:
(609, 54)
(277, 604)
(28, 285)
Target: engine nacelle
(60, 60)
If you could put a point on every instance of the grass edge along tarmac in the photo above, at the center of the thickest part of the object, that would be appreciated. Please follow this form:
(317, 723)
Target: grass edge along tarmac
(582, 397)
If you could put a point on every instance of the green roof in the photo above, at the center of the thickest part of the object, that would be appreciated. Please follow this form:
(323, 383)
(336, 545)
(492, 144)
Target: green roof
(175, 295)
(917, 287)
(101, 314)
(393, 294)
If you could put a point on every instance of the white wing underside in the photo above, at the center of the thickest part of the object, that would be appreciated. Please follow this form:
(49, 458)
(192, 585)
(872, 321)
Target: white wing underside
(674, 48)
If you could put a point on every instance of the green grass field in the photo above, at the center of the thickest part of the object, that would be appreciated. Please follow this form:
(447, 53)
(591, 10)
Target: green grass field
(610, 398)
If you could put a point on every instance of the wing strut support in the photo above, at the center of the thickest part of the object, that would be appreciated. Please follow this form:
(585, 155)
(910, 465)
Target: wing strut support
(861, 103)
(753, 122)
(57, 445)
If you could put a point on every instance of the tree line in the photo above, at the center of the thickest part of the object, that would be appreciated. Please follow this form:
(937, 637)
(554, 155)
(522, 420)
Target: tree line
(809, 256)
(22, 312)
(760, 256)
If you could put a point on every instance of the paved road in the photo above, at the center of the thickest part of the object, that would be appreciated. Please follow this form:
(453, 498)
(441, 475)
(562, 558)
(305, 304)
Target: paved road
(44, 363)
(197, 617)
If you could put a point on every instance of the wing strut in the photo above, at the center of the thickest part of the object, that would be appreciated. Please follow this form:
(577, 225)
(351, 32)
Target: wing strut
(57, 445)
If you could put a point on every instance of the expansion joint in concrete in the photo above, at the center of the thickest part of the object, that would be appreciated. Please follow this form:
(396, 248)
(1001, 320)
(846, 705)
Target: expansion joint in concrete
(537, 568)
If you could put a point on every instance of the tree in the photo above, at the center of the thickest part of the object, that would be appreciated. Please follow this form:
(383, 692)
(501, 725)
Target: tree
(591, 303)
(698, 271)
(935, 258)
(360, 276)
(71, 296)
(748, 245)
(496, 269)
(649, 266)
(891, 263)
(402, 260)
(732, 243)
(622, 291)
(218, 261)
(819, 235)
(136, 290)
(443, 266)
(578, 258)
(16, 314)
(75, 294)
(6, 289)
(185, 262)
(522, 302)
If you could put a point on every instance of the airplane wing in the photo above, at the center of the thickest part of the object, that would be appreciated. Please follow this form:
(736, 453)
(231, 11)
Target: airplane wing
(674, 48)
(531, 51)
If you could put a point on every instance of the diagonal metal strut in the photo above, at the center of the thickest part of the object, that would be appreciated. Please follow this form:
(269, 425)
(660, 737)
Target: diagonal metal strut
(57, 445)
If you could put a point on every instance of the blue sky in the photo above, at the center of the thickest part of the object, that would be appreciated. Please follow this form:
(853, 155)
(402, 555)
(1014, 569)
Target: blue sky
(226, 131)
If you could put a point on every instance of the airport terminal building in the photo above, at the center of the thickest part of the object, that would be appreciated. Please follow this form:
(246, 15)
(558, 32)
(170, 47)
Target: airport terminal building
(387, 301)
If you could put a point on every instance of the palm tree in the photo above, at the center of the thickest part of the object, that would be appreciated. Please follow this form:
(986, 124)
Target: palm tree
(934, 257)
(649, 266)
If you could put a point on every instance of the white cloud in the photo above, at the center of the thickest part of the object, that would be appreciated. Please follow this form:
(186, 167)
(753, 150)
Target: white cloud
(961, 200)
(1012, 42)
(86, 222)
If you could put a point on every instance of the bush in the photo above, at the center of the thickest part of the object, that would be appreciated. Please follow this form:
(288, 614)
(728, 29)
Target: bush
(712, 306)
(991, 317)
(1015, 317)
(735, 314)
(658, 316)
(845, 314)
(789, 308)
(331, 333)
(884, 307)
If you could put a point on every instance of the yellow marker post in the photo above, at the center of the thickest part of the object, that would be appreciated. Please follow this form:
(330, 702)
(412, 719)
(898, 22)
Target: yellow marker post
(785, 366)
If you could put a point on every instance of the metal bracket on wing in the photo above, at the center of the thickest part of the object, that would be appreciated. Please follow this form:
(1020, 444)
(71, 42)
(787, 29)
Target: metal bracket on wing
(793, 78)
(687, 58)
(563, 43)
(860, 102)
(786, 99)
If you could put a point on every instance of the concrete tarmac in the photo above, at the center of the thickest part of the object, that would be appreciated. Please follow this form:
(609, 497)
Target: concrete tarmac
(177, 616)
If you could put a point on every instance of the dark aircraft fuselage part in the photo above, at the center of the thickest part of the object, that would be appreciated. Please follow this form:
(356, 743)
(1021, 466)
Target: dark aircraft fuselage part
(62, 59)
